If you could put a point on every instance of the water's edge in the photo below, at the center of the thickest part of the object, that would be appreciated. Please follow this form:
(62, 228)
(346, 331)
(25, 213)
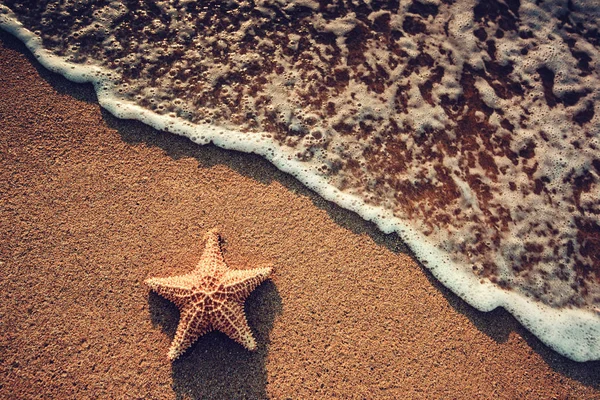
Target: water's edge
(572, 333)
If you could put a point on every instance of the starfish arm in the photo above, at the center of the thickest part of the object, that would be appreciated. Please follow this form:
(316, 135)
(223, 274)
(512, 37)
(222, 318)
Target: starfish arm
(240, 283)
(231, 320)
(173, 288)
(212, 261)
(192, 325)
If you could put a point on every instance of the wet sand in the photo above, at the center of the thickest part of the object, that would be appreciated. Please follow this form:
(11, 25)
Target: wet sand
(91, 206)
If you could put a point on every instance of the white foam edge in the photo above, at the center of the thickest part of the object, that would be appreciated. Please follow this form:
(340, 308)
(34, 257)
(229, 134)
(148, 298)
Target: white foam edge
(572, 333)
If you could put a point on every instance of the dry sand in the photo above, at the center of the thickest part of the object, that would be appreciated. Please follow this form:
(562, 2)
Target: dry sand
(91, 206)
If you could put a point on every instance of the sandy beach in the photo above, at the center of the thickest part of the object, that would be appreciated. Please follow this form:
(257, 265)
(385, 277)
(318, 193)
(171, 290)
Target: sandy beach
(91, 206)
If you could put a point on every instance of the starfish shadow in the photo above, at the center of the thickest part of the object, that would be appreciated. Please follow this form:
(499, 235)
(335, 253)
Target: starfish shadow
(215, 366)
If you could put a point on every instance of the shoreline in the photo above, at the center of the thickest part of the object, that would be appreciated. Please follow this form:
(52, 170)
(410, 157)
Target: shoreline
(571, 332)
(94, 205)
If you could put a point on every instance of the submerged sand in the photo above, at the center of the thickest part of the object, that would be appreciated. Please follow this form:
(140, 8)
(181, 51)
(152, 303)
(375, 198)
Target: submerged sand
(92, 205)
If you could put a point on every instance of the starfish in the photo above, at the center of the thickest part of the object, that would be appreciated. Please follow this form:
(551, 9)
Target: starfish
(211, 297)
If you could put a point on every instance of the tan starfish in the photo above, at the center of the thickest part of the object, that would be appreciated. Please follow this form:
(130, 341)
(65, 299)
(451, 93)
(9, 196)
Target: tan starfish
(211, 297)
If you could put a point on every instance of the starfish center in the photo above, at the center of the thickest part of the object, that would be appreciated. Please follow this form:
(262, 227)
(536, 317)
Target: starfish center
(210, 297)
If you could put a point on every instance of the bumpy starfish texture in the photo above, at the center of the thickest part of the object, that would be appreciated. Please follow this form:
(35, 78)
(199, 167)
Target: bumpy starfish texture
(211, 297)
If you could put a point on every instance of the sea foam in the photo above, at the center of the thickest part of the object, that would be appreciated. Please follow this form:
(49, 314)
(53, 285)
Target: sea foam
(470, 129)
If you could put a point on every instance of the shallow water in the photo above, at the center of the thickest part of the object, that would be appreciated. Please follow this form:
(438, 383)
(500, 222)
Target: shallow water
(470, 128)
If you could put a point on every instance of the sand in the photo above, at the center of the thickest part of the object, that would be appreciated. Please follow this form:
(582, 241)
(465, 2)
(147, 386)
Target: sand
(91, 206)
